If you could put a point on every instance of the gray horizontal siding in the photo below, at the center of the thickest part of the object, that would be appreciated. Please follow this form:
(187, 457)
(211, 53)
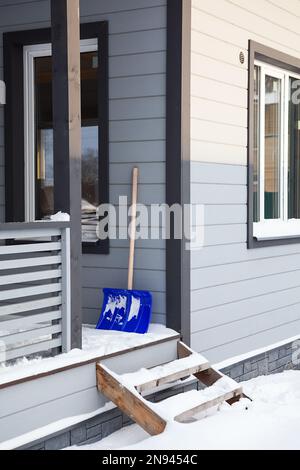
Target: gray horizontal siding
(137, 74)
(240, 299)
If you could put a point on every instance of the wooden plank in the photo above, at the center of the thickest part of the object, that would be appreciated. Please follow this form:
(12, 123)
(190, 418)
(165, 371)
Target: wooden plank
(226, 397)
(30, 306)
(65, 21)
(30, 291)
(29, 248)
(30, 262)
(172, 377)
(30, 277)
(29, 320)
(208, 377)
(134, 406)
(32, 335)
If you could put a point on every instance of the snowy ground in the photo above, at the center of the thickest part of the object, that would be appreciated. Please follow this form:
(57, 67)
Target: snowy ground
(271, 421)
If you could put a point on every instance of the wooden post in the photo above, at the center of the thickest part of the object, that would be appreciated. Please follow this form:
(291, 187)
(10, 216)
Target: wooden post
(65, 20)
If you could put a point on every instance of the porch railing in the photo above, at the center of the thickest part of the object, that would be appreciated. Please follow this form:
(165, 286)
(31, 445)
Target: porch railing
(34, 289)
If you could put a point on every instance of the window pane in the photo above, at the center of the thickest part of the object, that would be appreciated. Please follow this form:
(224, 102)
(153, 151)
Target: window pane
(256, 145)
(90, 143)
(294, 151)
(44, 137)
(272, 146)
(90, 187)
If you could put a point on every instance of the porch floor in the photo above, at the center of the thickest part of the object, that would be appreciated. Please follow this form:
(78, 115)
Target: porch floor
(96, 345)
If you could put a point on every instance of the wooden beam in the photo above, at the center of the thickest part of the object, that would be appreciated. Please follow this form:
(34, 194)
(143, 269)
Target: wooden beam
(209, 376)
(132, 405)
(65, 20)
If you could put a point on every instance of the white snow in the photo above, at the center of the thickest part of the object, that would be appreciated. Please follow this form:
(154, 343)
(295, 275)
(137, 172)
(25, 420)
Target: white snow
(149, 375)
(60, 217)
(95, 343)
(274, 229)
(270, 422)
(134, 309)
(175, 405)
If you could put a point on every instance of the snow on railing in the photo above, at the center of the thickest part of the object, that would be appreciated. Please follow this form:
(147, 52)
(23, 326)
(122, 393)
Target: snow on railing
(34, 289)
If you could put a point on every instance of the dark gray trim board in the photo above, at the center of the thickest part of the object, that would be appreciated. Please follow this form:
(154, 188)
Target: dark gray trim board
(178, 159)
(271, 56)
(13, 43)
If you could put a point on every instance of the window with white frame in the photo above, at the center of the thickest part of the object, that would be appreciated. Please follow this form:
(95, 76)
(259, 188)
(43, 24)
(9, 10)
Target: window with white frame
(276, 153)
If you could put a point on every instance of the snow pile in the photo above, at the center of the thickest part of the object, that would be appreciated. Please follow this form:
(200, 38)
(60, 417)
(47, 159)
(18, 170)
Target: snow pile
(151, 375)
(60, 217)
(271, 421)
(95, 344)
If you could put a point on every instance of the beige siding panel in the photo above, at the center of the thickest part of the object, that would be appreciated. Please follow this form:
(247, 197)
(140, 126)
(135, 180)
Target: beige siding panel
(251, 22)
(216, 48)
(234, 33)
(279, 17)
(292, 6)
(213, 152)
(212, 68)
(203, 108)
(219, 133)
(218, 91)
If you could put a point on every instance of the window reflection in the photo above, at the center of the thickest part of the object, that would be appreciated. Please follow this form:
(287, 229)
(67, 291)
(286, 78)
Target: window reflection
(272, 147)
(90, 141)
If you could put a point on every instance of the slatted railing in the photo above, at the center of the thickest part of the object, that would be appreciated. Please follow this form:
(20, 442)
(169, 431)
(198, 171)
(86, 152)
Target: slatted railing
(34, 289)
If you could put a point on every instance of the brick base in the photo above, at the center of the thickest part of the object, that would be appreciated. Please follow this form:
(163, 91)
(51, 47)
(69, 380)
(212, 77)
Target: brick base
(95, 429)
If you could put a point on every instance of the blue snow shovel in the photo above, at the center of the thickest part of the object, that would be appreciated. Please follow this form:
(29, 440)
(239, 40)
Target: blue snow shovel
(127, 310)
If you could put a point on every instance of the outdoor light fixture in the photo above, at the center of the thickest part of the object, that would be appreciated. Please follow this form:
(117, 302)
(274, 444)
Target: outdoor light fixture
(2, 92)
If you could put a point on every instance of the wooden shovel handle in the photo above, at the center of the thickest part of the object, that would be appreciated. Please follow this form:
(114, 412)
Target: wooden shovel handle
(135, 176)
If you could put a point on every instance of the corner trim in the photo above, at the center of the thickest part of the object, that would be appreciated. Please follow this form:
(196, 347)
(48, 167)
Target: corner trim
(178, 160)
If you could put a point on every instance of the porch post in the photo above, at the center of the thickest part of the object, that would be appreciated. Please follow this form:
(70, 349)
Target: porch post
(65, 20)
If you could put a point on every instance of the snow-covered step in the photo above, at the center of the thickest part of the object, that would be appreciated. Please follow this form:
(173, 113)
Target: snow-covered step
(148, 379)
(125, 390)
(185, 406)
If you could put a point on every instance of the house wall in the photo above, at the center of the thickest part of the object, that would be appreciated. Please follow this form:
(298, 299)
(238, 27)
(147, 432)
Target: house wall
(240, 299)
(137, 68)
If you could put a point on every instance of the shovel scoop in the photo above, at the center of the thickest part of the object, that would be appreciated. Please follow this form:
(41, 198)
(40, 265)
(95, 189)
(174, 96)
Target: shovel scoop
(127, 310)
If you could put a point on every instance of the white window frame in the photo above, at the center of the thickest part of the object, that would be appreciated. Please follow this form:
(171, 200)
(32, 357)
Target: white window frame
(29, 55)
(283, 227)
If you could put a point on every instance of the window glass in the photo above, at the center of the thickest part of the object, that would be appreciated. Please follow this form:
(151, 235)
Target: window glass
(272, 146)
(90, 141)
(256, 145)
(294, 151)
